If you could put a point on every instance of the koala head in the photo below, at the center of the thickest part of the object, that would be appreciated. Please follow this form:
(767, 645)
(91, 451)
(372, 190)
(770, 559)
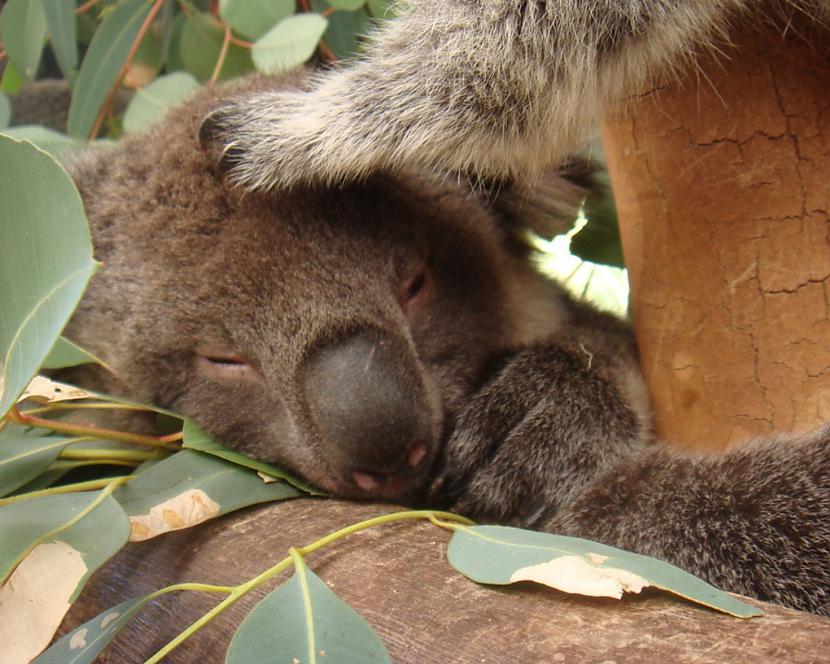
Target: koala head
(333, 331)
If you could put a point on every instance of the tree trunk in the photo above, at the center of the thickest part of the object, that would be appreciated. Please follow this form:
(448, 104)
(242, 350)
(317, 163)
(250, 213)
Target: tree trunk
(722, 182)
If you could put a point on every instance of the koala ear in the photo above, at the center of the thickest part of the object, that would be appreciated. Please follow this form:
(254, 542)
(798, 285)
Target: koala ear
(546, 206)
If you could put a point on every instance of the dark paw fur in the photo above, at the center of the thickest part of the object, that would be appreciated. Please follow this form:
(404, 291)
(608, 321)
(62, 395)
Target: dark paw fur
(213, 134)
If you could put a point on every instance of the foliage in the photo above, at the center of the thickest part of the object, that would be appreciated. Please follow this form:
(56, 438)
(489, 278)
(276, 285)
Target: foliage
(60, 527)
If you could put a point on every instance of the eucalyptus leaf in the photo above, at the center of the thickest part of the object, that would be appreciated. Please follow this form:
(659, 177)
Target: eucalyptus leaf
(382, 8)
(102, 64)
(197, 439)
(189, 488)
(46, 139)
(60, 21)
(253, 18)
(150, 103)
(304, 621)
(23, 459)
(67, 354)
(98, 535)
(23, 33)
(45, 260)
(12, 81)
(289, 43)
(5, 111)
(84, 643)
(49, 549)
(42, 481)
(501, 555)
(347, 5)
(200, 45)
(345, 28)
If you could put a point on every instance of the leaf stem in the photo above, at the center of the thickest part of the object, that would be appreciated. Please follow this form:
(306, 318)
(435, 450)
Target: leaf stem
(107, 483)
(101, 454)
(244, 588)
(16, 417)
(69, 465)
(82, 406)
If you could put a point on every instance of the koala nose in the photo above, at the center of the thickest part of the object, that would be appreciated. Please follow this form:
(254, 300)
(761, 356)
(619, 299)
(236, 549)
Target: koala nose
(369, 403)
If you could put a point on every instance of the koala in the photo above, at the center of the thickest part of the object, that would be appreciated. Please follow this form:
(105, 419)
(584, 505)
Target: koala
(499, 89)
(393, 339)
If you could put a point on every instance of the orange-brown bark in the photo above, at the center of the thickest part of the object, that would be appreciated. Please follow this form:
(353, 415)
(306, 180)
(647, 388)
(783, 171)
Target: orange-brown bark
(722, 182)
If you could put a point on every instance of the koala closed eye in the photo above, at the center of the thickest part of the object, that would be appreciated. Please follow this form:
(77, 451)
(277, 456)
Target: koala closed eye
(227, 365)
(415, 290)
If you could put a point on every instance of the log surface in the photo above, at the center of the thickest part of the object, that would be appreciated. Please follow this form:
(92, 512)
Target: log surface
(398, 578)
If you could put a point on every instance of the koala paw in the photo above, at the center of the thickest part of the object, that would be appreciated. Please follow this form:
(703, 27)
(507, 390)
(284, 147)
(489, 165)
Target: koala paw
(497, 462)
(532, 438)
(264, 141)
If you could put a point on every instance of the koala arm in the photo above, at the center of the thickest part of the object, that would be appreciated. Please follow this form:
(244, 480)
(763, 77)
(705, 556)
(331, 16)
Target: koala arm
(498, 88)
(549, 418)
(754, 521)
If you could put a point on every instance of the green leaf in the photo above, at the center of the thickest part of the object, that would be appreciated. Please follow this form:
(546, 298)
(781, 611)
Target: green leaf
(60, 21)
(347, 5)
(382, 8)
(150, 103)
(200, 44)
(304, 621)
(12, 80)
(196, 439)
(500, 555)
(23, 459)
(45, 260)
(67, 354)
(344, 30)
(5, 111)
(51, 546)
(46, 139)
(189, 488)
(289, 43)
(23, 33)
(102, 64)
(42, 481)
(253, 18)
(84, 643)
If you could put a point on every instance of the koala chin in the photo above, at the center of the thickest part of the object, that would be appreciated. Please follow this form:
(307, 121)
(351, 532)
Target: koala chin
(392, 338)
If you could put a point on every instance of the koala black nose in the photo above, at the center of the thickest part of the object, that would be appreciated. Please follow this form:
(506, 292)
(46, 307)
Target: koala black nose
(369, 403)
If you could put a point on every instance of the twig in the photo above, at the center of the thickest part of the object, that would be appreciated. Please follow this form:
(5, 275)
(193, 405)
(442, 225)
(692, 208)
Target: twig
(107, 106)
(89, 4)
(222, 54)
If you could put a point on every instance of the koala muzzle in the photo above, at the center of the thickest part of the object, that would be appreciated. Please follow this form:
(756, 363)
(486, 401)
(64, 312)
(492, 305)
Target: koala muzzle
(369, 405)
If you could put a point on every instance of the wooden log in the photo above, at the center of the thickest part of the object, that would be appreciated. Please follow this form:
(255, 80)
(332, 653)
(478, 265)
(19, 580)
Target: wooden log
(722, 182)
(398, 578)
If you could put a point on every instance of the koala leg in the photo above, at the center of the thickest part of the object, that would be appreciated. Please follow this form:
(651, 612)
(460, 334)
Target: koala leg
(545, 424)
(500, 88)
(755, 521)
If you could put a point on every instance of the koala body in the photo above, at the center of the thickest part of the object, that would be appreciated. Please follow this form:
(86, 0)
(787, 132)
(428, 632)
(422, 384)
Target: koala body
(498, 88)
(393, 339)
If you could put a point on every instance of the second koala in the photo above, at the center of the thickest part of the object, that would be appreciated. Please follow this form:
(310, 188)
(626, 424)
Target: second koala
(393, 339)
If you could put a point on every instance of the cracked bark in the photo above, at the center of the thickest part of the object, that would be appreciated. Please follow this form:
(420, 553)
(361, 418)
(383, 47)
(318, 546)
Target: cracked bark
(722, 183)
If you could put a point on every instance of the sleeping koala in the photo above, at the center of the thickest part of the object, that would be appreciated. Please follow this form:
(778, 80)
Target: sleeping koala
(496, 88)
(393, 339)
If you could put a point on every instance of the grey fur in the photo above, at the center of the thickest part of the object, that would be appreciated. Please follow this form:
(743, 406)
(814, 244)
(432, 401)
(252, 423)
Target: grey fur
(529, 405)
(502, 88)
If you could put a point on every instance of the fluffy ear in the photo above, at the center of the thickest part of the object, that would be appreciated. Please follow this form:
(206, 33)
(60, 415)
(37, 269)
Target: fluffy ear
(547, 206)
